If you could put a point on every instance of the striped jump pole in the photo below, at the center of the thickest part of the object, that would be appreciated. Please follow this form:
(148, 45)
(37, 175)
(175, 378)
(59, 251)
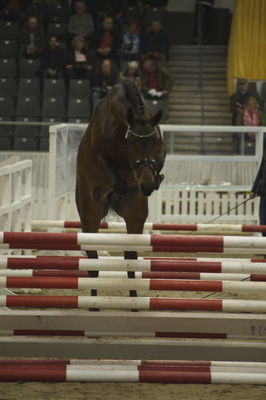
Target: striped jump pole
(156, 226)
(139, 265)
(140, 303)
(144, 242)
(136, 371)
(140, 275)
(131, 284)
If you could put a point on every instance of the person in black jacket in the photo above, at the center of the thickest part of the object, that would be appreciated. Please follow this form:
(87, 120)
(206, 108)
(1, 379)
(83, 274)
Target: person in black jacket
(259, 189)
(104, 78)
(53, 59)
(155, 43)
(106, 39)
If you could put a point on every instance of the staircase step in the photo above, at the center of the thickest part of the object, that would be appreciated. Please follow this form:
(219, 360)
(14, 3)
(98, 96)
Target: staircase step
(195, 88)
(197, 107)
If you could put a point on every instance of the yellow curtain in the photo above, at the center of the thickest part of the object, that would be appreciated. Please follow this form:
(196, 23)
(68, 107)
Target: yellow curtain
(247, 44)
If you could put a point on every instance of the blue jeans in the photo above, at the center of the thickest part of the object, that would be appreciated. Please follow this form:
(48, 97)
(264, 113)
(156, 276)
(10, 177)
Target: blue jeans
(262, 211)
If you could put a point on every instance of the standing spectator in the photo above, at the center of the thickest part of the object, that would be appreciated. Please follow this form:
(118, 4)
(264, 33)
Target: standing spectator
(131, 42)
(36, 9)
(239, 98)
(131, 73)
(103, 80)
(203, 12)
(53, 59)
(32, 38)
(155, 80)
(79, 62)
(156, 43)
(81, 23)
(106, 41)
(11, 12)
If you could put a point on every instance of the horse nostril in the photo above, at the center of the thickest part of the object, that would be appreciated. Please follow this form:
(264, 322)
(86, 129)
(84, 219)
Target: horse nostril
(147, 189)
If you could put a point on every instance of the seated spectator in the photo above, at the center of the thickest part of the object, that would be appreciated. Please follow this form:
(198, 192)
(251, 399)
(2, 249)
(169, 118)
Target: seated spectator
(11, 12)
(131, 73)
(107, 8)
(79, 62)
(156, 43)
(103, 80)
(80, 23)
(53, 59)
(239, 98)
(155, 80)
(32, 38)
(36, 9)
(130, 48)
(106, 40)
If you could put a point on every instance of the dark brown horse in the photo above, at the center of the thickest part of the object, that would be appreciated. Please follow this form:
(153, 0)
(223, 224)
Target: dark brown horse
(119, 161)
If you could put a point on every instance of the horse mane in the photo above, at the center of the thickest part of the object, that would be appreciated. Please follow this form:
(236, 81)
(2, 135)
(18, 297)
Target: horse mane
(134, 99)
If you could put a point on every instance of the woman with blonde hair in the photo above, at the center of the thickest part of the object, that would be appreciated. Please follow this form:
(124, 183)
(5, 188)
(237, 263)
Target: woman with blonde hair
(249, 116)
(79, 61)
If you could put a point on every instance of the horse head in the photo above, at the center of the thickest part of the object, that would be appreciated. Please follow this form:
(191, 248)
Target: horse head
(146, 151)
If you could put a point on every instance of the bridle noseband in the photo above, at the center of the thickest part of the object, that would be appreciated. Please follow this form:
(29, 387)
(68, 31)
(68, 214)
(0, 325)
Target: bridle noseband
(145, 162)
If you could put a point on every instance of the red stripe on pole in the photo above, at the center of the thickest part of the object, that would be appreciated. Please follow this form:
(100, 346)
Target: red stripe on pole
(42, 301)
(38, 374)
(72, 224)
(43, 263)
(79, 274)
(174, 377)
(43, 332)
(34, 362)
(186, 304)
(42, 283)
(170, 362)
(187, 241)
(40, 237)
(253, 228)
(174, 227)
(185, 266)
(192, 335)
(258, 277)
(171, 275)
(201, 286)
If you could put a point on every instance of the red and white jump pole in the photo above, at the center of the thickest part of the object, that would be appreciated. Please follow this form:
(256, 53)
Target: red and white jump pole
(156, 226)
(127, 303)
(135, 371)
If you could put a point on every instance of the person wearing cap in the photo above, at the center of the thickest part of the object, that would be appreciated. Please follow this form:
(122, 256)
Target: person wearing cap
(240, 97)
(131, 73)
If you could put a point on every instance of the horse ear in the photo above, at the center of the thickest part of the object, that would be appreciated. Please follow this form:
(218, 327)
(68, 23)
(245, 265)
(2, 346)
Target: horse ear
(155, 119)
(130, 117)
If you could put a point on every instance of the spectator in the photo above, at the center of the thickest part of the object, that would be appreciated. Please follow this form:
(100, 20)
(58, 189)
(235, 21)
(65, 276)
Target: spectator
(37, 10)
(106, 39)
(131, 42)
(103, 80)
(53, 59)
(81, 23)
(107, 8)
(203, 11)
(155, 80)
(79, 62)
(11, 12)
(239, 98)
(32, 38)
(156, 43)
(131, 73)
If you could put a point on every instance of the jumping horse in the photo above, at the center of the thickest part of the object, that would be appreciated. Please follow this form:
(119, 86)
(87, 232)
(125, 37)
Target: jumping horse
(118, 164)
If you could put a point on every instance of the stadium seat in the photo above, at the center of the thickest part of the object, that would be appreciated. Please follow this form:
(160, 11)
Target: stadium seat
(8, 30)
(26, 130)
(77, 120)
(8, 68)
(44, 131)
(28, 68)
(44, 144)
(57, 28)
(7, 107)
(78, 108)
(28, 107)
(8, 48)
(7, 87)
(54, 88)
(53, 107)
(25, 144)
(29, 87)
(39, 12)
(79, 88)
(155, 105)
(5, 135)
(58, 13)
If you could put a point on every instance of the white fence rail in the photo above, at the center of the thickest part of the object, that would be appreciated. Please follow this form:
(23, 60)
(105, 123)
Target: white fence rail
(15, 196)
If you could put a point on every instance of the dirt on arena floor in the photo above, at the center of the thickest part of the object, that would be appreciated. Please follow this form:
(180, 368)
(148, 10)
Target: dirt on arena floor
(134, 391)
